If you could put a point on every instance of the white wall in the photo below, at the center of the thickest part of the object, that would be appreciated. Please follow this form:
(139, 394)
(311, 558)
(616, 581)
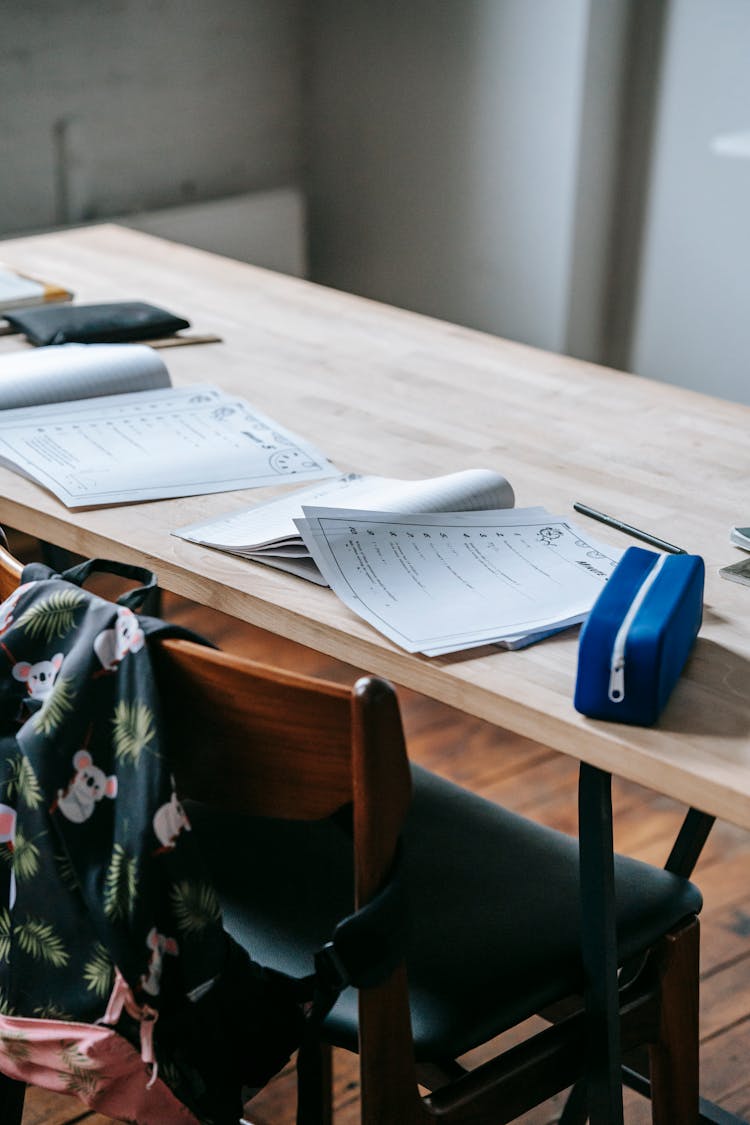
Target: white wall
(692, 322)
(111, 106)
(444, 158)
(542, 169)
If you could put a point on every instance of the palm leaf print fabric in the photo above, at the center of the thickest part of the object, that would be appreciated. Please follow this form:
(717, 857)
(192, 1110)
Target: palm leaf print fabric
(105, 910)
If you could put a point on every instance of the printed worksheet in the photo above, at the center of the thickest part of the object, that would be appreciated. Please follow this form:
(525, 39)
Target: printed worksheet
(153, 444)
(441, 583)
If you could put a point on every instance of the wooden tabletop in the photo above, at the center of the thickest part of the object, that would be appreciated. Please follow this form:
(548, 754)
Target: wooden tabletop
(385, 391)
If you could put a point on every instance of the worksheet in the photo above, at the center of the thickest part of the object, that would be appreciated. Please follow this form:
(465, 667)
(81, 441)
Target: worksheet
(440, 583)
(153, 444)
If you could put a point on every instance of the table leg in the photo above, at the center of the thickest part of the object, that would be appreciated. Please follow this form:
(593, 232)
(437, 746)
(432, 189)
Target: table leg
(688, 846)
(597, 917)
(599, 946)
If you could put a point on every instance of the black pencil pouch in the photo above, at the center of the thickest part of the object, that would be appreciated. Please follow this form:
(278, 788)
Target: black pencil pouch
(113, 323)
(638, 635)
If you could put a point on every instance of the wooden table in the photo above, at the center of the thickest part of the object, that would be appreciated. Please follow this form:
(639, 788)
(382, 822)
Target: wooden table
(386, 391)
(389, 392)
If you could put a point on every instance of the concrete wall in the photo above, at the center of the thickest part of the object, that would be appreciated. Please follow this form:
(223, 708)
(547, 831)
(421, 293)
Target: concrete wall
(267, 228)
(443, 168)
(128, 105)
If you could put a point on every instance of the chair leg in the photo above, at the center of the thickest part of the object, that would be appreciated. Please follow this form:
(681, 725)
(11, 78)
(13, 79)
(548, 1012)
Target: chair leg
(326, 1083)
(12, 1094)
(315, 1083)
(674, 1058)
(575, 1111)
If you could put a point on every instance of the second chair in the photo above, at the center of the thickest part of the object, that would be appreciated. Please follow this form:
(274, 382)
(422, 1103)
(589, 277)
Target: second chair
(493, 898)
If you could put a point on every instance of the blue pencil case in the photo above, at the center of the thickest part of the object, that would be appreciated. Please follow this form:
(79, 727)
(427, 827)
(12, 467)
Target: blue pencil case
(634, 643)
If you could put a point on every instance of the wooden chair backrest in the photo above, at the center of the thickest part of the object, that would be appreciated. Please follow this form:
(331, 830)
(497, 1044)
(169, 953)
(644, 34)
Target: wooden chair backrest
(251, 738)
(10, 573)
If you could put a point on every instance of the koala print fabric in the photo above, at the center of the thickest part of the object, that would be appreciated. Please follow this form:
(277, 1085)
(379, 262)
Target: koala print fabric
(113, 958)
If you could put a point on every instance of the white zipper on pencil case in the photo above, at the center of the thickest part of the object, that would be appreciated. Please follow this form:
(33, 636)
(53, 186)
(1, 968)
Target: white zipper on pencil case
(617, 663)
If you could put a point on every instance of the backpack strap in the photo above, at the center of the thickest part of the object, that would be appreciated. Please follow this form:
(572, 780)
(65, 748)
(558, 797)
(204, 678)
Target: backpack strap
(142, 597)
(364, 949)
(367, 945)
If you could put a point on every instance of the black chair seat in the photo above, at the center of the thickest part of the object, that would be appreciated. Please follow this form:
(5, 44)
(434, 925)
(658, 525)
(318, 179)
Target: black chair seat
(494, 917)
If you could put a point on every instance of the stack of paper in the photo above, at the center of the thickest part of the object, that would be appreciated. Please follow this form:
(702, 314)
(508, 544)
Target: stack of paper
(444, 582)
(437, 565)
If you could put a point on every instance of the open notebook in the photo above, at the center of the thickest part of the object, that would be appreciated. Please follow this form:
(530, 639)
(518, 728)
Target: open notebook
(267, 532)
(100, 424)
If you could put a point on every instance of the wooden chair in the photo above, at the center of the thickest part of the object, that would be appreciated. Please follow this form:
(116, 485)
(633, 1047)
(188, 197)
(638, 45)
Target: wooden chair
(10, 569)
(269, 757)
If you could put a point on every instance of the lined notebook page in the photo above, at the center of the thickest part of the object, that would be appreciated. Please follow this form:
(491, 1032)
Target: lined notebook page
(63, 372)
(273, 522)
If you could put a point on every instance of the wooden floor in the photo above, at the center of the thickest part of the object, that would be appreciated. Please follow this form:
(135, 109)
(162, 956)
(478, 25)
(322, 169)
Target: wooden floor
(539, 783)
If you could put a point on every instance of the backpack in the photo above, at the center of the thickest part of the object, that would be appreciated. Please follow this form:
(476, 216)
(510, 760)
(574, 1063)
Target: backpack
(118, 983)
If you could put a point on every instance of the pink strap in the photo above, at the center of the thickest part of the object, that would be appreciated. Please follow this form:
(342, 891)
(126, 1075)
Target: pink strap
(148, 1019)
(117, 1000)
(122, 997)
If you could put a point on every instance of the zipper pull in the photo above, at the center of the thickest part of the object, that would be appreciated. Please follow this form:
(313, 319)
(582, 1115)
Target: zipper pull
(617, 681)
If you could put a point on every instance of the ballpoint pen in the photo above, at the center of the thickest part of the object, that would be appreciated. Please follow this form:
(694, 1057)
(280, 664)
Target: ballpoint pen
(636, 533)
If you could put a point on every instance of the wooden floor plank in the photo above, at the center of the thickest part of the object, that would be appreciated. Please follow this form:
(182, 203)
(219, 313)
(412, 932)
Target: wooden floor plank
(725, 1074)
(44, 1108)
(725, 935)
(724, 997)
